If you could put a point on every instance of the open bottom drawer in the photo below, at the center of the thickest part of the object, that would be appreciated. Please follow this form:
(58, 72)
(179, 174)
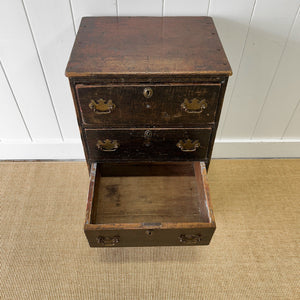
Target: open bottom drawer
(142, 204)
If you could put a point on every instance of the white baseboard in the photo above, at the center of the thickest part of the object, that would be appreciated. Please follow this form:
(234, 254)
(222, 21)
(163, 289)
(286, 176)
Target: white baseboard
(256, 148)
(42, 150)
(222, 149)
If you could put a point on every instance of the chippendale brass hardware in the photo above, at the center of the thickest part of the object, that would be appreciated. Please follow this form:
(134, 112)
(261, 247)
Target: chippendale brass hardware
(194, 106)
(108, 241)
(101, 106)
(190, 239)
(147, 92)
(188, 145)
(108, 145)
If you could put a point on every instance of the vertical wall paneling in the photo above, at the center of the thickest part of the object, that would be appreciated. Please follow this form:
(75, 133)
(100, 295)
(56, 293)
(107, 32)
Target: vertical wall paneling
(53, 31)
(283, 94)
(232, 20)
(269, 28)
(140, 7)
(186, 8)
(84, 8)
(261, 111)
(23, 69)
(293, 128)
(12, 126)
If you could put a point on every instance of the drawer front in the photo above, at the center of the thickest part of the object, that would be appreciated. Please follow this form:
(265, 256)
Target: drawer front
(144, 105)
(148, 144)
(151, 237)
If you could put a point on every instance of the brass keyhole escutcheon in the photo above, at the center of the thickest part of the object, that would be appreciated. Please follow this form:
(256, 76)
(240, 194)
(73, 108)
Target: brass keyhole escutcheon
(149, 232)
(147, 136)
(147, 92)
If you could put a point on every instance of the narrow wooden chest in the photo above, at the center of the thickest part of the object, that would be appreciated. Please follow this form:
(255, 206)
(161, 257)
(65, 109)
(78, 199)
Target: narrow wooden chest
(148, 94)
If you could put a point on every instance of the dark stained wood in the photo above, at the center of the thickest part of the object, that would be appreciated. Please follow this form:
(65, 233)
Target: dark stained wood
(111, 79)
(152, 45)
(78, 117)
(145, 169)
(145, 190)
(163, 109)
(151, 199)
(148, 144)
(218, 113)
(149, 211)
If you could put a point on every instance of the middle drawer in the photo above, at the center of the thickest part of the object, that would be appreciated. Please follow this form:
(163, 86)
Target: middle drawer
(148, 144)
(168, 105)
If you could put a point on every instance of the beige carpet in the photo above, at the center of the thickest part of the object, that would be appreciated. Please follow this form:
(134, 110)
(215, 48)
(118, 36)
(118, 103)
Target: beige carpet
(254, 253)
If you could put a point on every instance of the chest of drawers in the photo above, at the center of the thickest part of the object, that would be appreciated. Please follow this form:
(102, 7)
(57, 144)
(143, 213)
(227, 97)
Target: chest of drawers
(148, 93)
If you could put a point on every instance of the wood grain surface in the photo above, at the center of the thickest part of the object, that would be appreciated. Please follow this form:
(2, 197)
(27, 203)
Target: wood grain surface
(148, 144)
(149, 209)
(131, 45)
(163, 109)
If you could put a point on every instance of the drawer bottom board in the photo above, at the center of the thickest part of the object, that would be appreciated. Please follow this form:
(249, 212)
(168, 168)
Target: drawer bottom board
(148, 205)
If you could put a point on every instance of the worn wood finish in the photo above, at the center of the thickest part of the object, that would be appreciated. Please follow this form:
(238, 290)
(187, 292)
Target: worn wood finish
(146, 78)
(148, 94)
(218, 113)
(139, 45)
(149, 210)
(148, 144)
(147, 199)
(145, 169)
(166, 107)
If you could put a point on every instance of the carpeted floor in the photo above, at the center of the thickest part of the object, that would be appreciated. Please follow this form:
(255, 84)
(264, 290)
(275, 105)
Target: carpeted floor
(254, 253)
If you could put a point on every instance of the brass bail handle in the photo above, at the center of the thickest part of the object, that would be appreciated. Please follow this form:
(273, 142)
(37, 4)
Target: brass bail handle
(108, 241)
(190, 239)
(188, 145)
(101, 106)
(194, 106)
(107, 145)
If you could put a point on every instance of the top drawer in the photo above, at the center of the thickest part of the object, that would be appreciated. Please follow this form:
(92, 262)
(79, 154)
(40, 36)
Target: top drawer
(148, 105)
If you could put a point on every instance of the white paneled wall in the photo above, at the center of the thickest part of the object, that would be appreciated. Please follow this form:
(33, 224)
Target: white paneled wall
(261, 112)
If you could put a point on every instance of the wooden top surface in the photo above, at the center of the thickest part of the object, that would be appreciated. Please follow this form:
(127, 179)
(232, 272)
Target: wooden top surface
(147, 45)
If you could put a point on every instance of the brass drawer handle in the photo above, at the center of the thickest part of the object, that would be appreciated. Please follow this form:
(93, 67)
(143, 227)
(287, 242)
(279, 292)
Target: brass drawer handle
(101, 106)
(108, 241)
(190, 239)
(147, 92)
(188, 145)
(108, 145)
(194, 106)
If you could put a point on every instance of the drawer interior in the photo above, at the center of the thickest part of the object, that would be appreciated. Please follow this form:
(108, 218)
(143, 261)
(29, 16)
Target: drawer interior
(148, 194)
(129, 199)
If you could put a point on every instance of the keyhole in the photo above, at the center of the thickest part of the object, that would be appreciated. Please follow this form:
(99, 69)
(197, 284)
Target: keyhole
(148, 92)
(147, 134)
(149, 232)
